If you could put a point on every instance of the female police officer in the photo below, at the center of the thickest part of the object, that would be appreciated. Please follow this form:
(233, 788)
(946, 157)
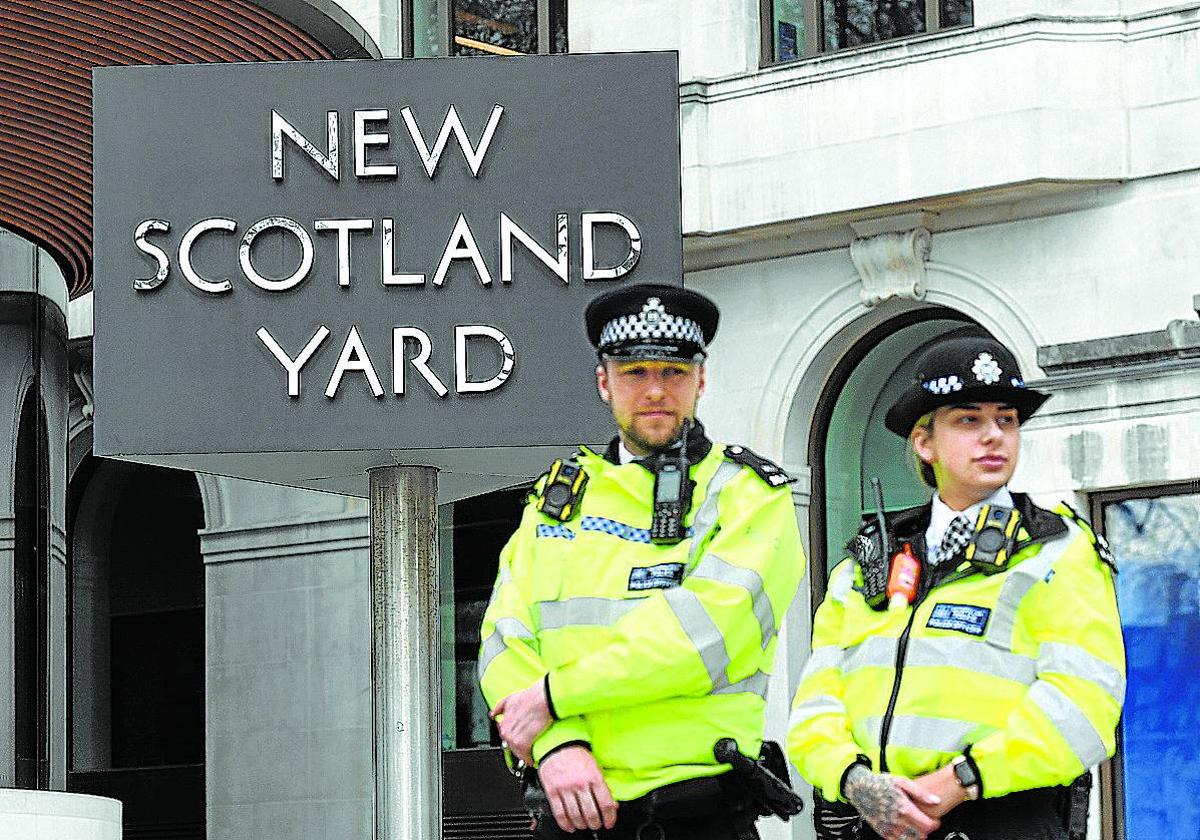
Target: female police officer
(962, 703)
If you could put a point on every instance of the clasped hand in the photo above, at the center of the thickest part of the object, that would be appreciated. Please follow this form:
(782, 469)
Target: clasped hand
(521, 718)
(578, 795)
(903, 809)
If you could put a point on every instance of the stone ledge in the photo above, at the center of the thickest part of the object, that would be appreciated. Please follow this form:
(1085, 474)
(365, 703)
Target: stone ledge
(342, 532)
(47, 815)
(1179, 341)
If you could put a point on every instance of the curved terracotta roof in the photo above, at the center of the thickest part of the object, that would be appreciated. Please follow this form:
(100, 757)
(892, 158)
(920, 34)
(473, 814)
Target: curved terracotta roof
(47, 51)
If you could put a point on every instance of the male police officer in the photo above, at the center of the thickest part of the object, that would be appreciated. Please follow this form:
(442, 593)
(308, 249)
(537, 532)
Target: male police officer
(962, 707)
(634, 615)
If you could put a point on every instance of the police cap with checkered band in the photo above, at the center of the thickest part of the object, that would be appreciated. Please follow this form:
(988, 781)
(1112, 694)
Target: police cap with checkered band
(965, 366)
(652, 321)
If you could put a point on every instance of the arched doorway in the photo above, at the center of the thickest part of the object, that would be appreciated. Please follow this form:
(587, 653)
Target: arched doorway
(137, 645)
(848, 444)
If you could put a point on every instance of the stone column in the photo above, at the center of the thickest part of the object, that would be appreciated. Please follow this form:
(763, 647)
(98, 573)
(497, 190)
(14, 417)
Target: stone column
(33, 371)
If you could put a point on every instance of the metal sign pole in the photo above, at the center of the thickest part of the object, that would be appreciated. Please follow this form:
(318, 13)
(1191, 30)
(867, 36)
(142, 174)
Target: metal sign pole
(406, 700)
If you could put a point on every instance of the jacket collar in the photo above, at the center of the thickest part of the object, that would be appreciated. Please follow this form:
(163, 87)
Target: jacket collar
(698, 447)
(1042, 525)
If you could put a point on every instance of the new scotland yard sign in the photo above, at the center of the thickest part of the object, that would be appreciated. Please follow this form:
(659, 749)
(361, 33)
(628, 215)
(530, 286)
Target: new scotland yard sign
(304, 270)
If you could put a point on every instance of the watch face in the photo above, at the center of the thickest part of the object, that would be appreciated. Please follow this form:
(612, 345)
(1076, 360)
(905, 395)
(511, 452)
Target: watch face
(965, 774)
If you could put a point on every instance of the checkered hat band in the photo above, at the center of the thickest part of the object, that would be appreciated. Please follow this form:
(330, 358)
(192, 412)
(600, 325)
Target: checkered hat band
(636, 327)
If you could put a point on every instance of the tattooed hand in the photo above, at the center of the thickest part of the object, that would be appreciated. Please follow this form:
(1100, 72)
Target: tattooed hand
(890, 804)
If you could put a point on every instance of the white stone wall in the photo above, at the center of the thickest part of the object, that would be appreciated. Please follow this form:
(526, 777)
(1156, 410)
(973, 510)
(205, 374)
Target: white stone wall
(380, 19)
(41, 815)
(288, 711)
(1122, 266)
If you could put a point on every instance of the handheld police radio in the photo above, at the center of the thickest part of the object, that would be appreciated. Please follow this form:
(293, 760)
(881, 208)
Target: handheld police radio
(672, 494)
(873, 552)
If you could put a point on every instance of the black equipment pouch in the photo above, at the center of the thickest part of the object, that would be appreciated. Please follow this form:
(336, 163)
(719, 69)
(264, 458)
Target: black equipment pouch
(991, 545)
(765, 780)
(1078, 796)
(835, 820)
(869, 552)
(533, 797)
(563, 490)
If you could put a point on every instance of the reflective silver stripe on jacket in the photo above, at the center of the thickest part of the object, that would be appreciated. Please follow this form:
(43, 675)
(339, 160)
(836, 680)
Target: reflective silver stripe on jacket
(1017, 583)
(874, 652)
(821, 704)
(715, 568)
(917, 732)
(574, 612)
(827, 656)
(494, 645)
(706, 516)
(702, 632)
(1075, 661)
(945, 651)
(754, 684)
(1071, 723)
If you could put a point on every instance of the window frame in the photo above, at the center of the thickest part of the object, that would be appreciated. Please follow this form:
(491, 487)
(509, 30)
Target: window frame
(1112, 772)
(446, 28)
(814, 32)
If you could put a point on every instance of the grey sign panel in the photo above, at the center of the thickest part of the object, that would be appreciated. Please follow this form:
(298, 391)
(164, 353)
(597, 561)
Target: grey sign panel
(303, 270)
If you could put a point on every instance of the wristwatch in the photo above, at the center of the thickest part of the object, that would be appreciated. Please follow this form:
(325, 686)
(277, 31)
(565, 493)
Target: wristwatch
(967, 775)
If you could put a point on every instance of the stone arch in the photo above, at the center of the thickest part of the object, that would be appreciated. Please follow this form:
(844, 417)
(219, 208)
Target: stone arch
(840, 320)
(212, 495)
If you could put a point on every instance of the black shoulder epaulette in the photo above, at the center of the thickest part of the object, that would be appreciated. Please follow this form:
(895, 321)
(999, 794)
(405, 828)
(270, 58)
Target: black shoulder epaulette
(1098, 542)
(768, 471)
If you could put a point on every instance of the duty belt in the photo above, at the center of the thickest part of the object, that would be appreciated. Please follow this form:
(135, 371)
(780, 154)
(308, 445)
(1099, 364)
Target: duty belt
(691, 799)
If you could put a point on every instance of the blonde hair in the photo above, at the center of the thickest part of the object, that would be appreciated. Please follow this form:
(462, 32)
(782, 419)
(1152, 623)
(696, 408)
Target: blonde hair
(924, 470)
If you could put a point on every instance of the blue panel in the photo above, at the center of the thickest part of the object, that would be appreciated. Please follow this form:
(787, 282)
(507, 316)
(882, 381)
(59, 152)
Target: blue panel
(1157, 542)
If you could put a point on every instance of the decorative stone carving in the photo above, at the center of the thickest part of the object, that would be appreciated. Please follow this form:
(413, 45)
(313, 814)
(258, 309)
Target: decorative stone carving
(892, 265)
(83, 381)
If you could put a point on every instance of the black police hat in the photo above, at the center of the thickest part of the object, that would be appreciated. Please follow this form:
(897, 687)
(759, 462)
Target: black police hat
(965, 366)
(652, 321)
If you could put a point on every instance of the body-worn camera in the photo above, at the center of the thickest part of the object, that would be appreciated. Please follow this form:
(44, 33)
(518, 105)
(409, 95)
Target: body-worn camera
(994, 538)
(563, 489)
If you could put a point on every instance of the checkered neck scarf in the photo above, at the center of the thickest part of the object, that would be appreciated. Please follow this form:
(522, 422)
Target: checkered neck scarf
(958, 534)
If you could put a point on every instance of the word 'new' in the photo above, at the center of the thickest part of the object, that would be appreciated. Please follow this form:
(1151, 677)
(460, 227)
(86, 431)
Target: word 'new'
(329, 160)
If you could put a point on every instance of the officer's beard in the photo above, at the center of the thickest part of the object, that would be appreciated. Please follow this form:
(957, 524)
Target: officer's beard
(645, 446)
(698, 444)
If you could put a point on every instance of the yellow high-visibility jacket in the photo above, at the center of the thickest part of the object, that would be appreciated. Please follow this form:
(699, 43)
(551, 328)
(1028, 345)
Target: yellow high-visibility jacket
(653, 652)
(1025, 667)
